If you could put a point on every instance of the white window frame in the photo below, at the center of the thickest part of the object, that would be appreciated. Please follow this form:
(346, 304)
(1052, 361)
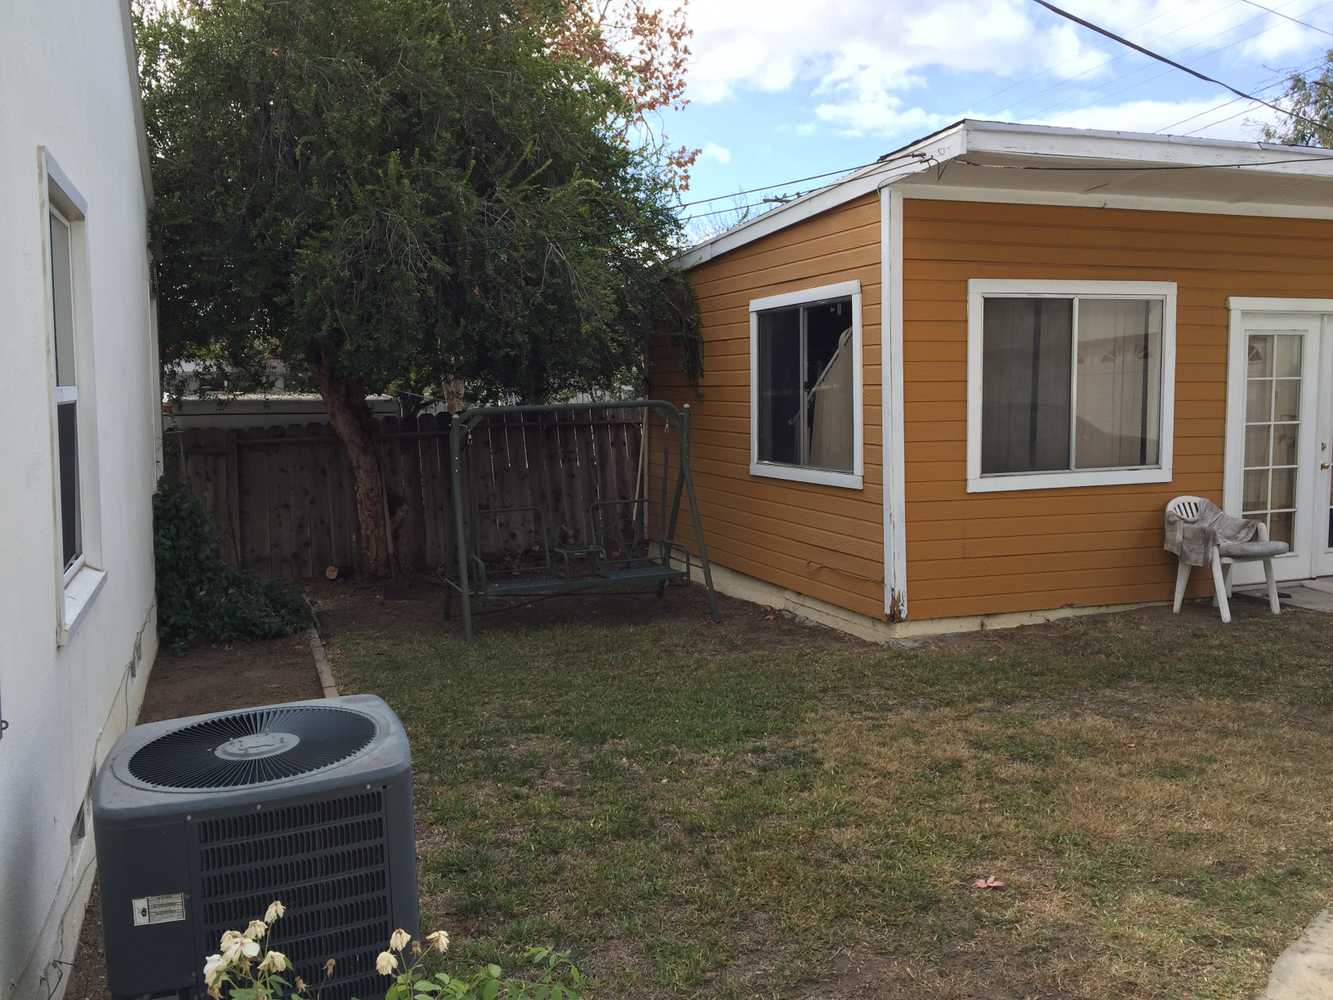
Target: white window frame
(79, 583)
(980, 289)
(853, 480)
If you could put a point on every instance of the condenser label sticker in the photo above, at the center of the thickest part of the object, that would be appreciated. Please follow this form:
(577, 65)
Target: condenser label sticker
(159, 909)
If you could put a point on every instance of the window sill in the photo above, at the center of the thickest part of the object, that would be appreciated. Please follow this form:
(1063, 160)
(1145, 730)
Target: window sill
(82, 587)
(1066, 480)
(799, 474)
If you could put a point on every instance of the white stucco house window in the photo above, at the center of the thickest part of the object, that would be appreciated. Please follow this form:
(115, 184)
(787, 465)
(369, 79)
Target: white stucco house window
(73, 429)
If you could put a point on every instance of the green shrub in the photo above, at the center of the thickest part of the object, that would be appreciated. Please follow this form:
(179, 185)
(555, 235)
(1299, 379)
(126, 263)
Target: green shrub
(199, 597)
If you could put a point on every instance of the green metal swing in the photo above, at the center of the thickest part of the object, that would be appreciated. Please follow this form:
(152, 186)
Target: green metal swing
(608, 547)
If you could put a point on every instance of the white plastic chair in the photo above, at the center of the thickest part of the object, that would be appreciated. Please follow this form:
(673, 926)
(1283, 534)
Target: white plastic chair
(1223, 557)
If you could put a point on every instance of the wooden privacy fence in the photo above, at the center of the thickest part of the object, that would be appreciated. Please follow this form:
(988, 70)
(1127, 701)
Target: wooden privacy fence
(282, 497)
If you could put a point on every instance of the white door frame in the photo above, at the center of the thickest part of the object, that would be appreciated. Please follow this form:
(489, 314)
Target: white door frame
(1308, 557)
(1323, 478)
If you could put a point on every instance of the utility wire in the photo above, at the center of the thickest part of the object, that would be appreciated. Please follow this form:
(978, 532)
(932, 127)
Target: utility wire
(1288, 17)
(1171, 62)
(769, 187)
(1226, 104)
(1106, 95)
(880, 166)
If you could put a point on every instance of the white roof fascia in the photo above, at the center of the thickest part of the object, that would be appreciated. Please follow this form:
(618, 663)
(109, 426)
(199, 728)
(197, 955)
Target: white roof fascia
(929, 152)
(1049, 143)
(1089, 144)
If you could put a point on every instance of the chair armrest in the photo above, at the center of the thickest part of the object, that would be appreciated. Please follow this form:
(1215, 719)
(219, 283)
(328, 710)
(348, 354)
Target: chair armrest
(1262, 529)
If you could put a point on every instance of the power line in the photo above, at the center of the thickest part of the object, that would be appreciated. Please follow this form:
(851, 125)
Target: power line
(882, 164)
(1171, 62)
(1102, 64)
(1226, 104)
(1288, 17)
(769, 187)
(1106, 94)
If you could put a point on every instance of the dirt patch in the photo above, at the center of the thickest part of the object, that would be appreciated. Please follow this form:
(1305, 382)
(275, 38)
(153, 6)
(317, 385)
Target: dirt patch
(349, 607)
(208, 679)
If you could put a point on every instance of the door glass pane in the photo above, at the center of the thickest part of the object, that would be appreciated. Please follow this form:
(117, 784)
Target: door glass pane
(1259, 399)
(1119, 383)
(1272, 431)
(1287, 357)
(1284, 444)
(1261, 357)
(1256, 489)
(1256, 445)
(1027, 351)
(1280, 527)
(1282, 495)
(1287, 399)
(779, 386)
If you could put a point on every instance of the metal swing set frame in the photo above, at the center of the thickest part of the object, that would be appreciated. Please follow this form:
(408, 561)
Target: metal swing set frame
(592, 565)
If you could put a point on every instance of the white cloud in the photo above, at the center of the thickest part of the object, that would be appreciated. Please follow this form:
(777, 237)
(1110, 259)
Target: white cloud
(860, 58)
(865, 45)
(1212, 117)
(712, 151)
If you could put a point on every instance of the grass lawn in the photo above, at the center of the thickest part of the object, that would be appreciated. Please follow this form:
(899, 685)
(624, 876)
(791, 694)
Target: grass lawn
(761, 809)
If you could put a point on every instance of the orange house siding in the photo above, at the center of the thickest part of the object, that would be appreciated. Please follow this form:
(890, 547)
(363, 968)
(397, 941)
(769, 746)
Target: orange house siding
(822, 541)
(988, 553)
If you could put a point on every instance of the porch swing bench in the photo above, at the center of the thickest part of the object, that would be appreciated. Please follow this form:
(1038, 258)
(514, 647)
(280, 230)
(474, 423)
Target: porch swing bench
(610, 551)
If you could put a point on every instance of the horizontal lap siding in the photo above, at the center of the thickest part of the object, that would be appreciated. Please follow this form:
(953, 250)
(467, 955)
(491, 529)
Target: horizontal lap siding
(970, 554)
(820, 541)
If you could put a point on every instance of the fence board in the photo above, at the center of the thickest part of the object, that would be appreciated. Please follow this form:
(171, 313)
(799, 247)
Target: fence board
(284, 504)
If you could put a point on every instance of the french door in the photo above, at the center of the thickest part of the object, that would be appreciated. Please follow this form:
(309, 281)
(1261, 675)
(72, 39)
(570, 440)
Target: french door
(1279, 466)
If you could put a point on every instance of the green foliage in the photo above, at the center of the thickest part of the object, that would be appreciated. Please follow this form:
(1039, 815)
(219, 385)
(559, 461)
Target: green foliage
(199, 597)
(559, 980)
(237, 971)
(1311, 97)
(402, 192)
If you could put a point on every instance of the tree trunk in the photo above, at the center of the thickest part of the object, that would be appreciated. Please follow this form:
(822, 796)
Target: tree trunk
(350, 418)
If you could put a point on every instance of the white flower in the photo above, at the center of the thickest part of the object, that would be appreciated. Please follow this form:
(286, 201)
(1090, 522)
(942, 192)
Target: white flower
(256, 930)
(398, 940)
(274, 911)
(438, 940)
(214, 966)
(385, 963)
(237, 946)
(274, 961)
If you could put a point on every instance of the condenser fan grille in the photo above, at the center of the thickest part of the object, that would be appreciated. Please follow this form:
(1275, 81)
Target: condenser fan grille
(252, 748)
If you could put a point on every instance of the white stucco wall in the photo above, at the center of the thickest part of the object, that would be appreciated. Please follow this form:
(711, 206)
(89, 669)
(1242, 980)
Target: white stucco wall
(65, 84)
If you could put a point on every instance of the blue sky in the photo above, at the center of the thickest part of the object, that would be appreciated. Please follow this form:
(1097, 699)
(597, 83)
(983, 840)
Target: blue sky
(782, 89)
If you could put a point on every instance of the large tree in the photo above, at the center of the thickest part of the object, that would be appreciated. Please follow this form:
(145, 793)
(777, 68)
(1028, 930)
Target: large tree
(1310, 97)
(405, 194)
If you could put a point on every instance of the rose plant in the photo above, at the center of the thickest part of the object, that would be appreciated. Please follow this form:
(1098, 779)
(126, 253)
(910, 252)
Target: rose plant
(238, 972)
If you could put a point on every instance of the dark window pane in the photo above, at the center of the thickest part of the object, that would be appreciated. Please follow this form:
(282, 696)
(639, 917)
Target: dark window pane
(1026, 358)
(67, 434)
(829, 367)
(779, 386)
